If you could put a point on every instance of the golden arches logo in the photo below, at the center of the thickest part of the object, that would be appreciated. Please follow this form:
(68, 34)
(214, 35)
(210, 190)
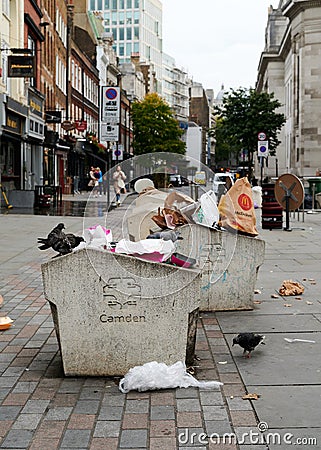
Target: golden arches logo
(245, 202)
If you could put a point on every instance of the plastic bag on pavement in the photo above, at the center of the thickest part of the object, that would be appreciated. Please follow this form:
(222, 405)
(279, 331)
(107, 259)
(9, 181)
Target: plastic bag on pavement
(156, 250)
(98, 236)
(154, 375)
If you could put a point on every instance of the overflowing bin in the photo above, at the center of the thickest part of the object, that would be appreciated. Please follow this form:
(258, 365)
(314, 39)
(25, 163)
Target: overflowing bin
(113, 312)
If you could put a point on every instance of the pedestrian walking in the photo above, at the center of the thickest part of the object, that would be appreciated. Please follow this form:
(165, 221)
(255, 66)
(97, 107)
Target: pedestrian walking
(119, 178)
(99, 176)
(93, 182)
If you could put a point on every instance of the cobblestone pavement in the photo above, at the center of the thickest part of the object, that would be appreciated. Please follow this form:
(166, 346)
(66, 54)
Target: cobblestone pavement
(41, 409)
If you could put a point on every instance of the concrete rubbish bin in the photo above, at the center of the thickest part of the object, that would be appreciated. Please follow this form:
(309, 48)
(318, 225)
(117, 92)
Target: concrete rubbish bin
(229, 264)
(113, 312)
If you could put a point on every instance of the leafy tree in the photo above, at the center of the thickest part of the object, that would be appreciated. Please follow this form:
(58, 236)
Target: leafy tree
(154, 127)
(246, 112)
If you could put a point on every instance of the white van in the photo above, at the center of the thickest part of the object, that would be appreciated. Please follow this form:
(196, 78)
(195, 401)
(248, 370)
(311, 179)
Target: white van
(220, 179)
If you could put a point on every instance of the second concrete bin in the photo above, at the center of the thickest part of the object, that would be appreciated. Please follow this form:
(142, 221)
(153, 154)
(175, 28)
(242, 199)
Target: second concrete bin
(113, 312)
(229, 264)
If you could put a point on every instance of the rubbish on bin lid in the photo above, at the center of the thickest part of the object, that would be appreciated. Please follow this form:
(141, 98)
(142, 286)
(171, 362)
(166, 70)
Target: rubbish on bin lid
(182, 260)
(253, 396)
(290, 287)
(176, 198)
(209, 211)
(98, 236)
(154, 375)
(237, 210)
(167, 235)
(5, 323)
(298, 340)
(156, 250)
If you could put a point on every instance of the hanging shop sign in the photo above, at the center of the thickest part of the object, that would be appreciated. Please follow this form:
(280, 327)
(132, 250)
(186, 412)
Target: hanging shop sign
(21, 66)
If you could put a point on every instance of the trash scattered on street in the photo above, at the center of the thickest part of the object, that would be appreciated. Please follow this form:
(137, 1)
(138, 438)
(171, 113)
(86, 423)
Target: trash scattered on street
(274, 296)
(298, 340)
(253, 396)
(154, 375)
(5, 323)
(290, 287)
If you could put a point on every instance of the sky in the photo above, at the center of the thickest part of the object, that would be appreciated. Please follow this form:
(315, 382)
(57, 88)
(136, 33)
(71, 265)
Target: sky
(217, 42)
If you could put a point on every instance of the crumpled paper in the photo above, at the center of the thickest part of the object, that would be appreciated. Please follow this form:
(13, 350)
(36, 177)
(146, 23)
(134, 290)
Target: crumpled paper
(156, 250)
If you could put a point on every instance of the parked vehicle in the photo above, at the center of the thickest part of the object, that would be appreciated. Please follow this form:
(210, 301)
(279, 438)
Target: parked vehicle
(219, 181)
(200, 178)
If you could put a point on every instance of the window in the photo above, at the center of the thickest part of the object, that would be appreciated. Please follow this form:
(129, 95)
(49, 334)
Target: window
(92, 5)
(136, 3)
(6, 7)
(136, 17)
(121, 34)
(136, 47)
(114, 18)
(128, 49)
(129, 4)
(121, 18)
(121, 4)
(129, 19)
(136, 32)
(107, 4)
(114, 4)
(114, 31)
(99, 4)
(128, 34)
(121, 49)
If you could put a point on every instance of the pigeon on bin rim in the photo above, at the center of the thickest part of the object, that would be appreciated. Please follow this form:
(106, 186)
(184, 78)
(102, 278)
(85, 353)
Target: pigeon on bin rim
(167, 235)
(248, 341)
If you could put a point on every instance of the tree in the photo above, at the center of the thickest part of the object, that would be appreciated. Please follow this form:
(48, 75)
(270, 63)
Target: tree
(154, 127)
(243, 115)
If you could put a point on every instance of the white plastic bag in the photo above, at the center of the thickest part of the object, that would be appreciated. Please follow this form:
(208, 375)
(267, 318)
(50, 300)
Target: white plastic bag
(207, 214)
(156, 250)
(98, 237)
(154, 375)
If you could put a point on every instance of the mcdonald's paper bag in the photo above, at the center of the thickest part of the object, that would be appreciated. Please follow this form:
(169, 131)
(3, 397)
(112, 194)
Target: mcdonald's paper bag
(236, 209)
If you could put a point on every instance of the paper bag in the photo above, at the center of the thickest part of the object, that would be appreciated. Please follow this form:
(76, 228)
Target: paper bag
(236, 209)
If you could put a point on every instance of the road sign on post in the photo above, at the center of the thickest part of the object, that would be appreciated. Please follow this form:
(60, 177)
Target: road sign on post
(261, 136)
(263, 148)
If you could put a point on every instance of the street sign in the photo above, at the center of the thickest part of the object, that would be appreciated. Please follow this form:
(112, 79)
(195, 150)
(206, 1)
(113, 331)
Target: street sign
(261, 136)
(288, 185)
(263, 148)
(109, 133)
(110, 105)
(118, 152)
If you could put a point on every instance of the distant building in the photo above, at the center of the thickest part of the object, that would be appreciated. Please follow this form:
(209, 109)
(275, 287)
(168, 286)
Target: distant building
(136, 26)
(290, 68)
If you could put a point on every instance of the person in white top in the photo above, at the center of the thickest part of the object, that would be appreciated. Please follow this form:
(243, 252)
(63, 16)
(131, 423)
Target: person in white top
(119, 178)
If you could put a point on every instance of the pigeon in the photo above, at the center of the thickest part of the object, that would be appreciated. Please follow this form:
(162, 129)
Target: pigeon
(167, 235)
(56, 240)
(74, 240)
(248, 341)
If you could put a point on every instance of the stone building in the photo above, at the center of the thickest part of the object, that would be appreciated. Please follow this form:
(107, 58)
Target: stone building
(290, 67)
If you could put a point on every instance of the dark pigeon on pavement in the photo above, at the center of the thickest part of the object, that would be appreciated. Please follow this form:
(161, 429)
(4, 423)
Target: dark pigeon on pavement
(248, 341)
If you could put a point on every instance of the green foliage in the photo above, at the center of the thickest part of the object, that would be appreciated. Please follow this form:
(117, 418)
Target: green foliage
(243, 115)
(154, 127)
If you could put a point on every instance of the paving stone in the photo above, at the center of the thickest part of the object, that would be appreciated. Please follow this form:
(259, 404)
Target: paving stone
(50, 429)
(162, 428)
(137, 406)
(48, 444)
(58, 413)
(189, 419)
(104, 444)
(35, 406)
(75, 439)
(218, 427)
(187, 393)
(17, 439)
(87, 407)
(211, 398)
(110, 413)
(27, 421)
(162, 398)
(24, 387)
(162, 412)
(9, 412)
(107, 428)
(135, 421)
(16, 399)
(81, 421)
(243, 418)
(188, 404)
(91, 394)
(113, 400)
(133, 439)
(238, 404)
(161, 443)
(214, 413)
